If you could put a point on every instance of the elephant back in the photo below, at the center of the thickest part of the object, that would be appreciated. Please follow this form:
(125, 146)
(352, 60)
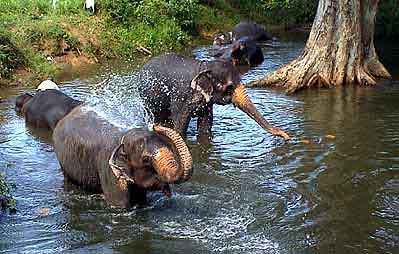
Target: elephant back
(47, 108)
(82, 143)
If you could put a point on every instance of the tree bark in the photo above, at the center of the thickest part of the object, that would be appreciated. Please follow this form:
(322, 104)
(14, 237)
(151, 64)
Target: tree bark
(340, 50)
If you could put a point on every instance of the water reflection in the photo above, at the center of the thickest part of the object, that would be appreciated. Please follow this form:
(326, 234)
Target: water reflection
(332, 189)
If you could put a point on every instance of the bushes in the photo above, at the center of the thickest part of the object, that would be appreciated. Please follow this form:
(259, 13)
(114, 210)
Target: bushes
(186, 13)
(10, 56)
(160, 25)
(120, 26)
(165, 36)
(35, 31)
(14, 56)
(121, 11)
(291, 12)
(52, 37)
(151, 12)
(37, 8)
(388, 19)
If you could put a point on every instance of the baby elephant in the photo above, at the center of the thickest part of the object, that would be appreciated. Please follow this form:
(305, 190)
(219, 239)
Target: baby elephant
(243, 52)
(45, 108)
(123, 164)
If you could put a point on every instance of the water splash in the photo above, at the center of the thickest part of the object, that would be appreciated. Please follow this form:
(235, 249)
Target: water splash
(116, 99)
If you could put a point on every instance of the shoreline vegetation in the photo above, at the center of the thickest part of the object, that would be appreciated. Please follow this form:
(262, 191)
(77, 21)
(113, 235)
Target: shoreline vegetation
(38, 39)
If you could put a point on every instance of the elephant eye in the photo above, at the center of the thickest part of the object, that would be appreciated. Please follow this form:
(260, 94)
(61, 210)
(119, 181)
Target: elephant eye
(122, 153)
(147, 161)
(229, 89)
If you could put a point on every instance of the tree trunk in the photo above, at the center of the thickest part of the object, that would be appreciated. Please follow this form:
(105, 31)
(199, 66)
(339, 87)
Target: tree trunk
(340, 50)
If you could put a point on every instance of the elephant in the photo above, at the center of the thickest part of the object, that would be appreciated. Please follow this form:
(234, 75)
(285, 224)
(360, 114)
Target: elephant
(21, 100)
(46, 108)
(243, 51)
(248, 29)
(175, 89)
(123, 164)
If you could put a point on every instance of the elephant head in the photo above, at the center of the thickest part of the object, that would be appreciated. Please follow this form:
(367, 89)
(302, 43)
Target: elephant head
(21, 100)
(151, 160)
(239, 54)
(222, 38)
(220, 83)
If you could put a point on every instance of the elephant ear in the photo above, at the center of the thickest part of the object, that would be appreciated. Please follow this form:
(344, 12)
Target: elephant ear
(238, 51)
(202, 83)
(119, 171)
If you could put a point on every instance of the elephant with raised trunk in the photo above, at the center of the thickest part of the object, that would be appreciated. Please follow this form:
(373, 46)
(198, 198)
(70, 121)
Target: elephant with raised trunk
(121, 163)
(177, 88)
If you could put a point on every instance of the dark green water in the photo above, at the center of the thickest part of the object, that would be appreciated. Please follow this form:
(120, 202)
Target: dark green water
(250, 193)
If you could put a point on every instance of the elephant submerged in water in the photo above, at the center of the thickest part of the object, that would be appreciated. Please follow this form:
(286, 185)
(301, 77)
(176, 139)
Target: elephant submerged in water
(176, 88)
(243, 52)
(46, 108)
(121, 163)
(250, 29)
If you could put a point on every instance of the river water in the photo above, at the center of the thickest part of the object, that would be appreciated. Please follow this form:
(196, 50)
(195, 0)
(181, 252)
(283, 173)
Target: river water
(333, 188)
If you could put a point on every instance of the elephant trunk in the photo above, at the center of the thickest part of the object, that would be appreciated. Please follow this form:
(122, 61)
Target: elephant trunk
(164, 161)
(240, 99)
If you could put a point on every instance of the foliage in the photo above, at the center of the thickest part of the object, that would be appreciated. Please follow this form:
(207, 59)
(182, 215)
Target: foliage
(36, 30)
(286, 12)
(291, 11)
(49, 32)
(388, 18)
(34, 27)
(165, 36)
(10, 56)
(152, 12)
(6, 200)
(37, 8)
(159, 25)
(185, 12)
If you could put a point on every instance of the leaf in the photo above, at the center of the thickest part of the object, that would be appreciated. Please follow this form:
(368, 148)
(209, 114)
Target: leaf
(305, 141)
(329, 136)
(44, 211)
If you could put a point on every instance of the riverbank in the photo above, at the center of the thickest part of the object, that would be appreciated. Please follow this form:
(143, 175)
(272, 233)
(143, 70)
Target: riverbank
(38, 39)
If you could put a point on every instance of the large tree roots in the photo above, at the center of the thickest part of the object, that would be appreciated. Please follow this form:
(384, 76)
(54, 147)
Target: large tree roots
(340, 50)
(308, 72)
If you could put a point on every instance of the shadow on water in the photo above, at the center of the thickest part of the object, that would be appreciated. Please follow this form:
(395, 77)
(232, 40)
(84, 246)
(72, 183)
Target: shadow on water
(332, 189)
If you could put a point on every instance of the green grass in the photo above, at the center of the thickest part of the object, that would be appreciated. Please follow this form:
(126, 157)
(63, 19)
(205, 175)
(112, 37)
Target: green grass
(32, 30)
(35, 30)
(11, 57)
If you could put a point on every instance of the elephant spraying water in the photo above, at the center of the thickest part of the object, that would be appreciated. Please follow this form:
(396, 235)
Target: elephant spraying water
(121, 163)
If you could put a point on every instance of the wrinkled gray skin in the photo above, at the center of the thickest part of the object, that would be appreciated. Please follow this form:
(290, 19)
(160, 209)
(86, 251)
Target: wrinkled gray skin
(46, 108)
(242, 52)
(84, 143)
(176, 88)
(167, 93)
